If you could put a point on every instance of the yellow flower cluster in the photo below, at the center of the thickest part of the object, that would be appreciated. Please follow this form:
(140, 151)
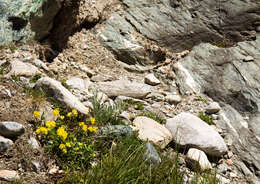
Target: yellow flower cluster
(74, 112)
(62, 133)
(50, 124)
(92, 120)
(42, 130)
(93, 129)
(63, 147)
(83, 126)
(56, 112)
(36, 114)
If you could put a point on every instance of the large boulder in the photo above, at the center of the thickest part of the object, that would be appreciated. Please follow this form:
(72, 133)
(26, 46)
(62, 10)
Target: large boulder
(124, 88)
(189, 130)
(61, 94)
(150, 130)
(177, 25)
(22, 20)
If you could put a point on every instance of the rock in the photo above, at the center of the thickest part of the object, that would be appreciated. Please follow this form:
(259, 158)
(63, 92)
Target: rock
(173, 99)
(11, 129)
(189, 130)
(19, 68)
(244, 169)
(124, 88)
(213, 108)
(125, 115)
(9, 175)
(61, 94)
(151, 79)
(222, 180)
(33, 143)
(116, 130)
(36, 166)
(101, 78)
(150, 130)
(85, 69)
(23, 20)
(222, 168)
(5, 144)
(248, 59)
(40, 64)
(78, 83)
(183, 26)
(198, 160)
(151, 155)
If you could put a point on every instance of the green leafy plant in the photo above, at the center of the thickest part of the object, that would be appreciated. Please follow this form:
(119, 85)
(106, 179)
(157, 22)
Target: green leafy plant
(207, 118)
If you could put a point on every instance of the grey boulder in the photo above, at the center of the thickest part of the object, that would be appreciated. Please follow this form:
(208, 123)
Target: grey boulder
(11, 129)
(188, 130)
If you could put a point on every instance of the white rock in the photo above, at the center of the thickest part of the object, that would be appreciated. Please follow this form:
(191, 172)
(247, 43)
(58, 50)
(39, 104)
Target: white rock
(150, 130)
(9, 175)
(85, 69)
(198, 159)
(124, 88)
(33, 143)
(40, 64)
(11, 129)
(173, 99)
(78, 83)
(5, 144)
(151, 79)
(222, 180)
(61, 94)
(19, 68)
(213, 108)
(248, 59)
(188, 129)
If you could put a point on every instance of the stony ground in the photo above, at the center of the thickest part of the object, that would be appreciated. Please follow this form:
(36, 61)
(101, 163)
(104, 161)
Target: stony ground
(84, 51)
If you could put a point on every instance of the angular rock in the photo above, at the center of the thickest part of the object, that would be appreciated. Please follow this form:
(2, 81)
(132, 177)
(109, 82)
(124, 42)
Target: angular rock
(19, 68)
(248, 59)
(173, 99)
(88, 71)
(33, 143)
(116, 130)
(61, 94)
(213, 108)
(40, 64)
(151, 155)
(9, 175)
(151, 79)
(11, 129)
(189, 130)
(124, 88)
(150, 130)
(5, 144)
(78, 83)
(197, 159)
(23, 20)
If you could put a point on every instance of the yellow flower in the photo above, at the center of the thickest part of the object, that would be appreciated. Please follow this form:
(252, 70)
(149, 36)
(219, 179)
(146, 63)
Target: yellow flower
(44, 130)
(69, 114)
(36, 114)
(84, 128)
(62, 117)
(76, 149)
(53, 123)
(38, 131)
(95, 129)
(81, 123)
(64, 151)
(74, 112)
(92, 120)
(90, 129)
(62, 146)
(56, 112)
(62, 133)
(68, 144)
(48, 124)
(80, 144)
